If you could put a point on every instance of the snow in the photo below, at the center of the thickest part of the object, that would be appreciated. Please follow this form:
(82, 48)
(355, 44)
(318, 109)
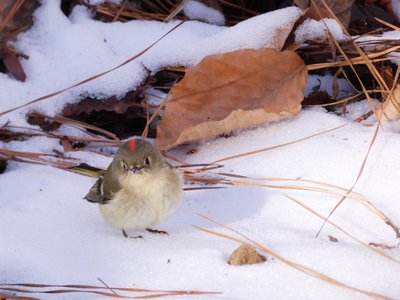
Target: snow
(316, 30)
(49, 234)
(49, 227)
(64, 51)
(374, 40)
(197, 10)
(324, 83)
(396, 9)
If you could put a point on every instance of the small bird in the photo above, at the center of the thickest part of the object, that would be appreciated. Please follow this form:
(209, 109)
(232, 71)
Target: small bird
(138, 190)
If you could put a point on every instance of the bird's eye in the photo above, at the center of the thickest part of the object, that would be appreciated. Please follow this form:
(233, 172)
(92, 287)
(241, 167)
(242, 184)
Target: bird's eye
(147, 161)
(125, 165)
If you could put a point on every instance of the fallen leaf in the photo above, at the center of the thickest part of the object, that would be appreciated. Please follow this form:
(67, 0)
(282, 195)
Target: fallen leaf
(317, 98)
(382, 246)
(303, 4)
(245, 255)
(316, 11)
(16, 17)
(12, 63)
(66, 143)
(311, 11)
(333, 239)
(277, 25)
(230, 91)
(385, 4)
(387, 74)
(341, 9)
(3, 165)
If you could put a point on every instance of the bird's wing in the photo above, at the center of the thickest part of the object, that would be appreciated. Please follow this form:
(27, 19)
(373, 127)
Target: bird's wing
(98, 194)
(87, 170)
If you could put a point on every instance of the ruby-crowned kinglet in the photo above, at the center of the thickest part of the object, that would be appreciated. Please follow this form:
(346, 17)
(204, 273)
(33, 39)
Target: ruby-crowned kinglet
(139, 189)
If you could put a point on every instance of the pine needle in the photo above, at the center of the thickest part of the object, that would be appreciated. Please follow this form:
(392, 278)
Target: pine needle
(307, 270)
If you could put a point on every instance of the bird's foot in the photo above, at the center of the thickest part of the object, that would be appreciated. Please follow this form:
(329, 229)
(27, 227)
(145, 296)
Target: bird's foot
(157, 231)
(131, 237)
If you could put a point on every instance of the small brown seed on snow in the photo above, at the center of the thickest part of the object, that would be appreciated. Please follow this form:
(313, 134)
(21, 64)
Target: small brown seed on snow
(245, 255)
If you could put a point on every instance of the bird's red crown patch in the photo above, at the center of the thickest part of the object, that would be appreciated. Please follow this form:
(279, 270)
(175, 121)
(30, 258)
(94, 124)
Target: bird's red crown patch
(132, 144)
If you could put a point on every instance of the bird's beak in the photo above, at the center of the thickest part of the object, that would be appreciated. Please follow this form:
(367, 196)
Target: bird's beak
(135, 169)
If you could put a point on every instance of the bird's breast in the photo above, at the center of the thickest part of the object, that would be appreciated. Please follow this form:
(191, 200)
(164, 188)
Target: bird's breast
(143, 200)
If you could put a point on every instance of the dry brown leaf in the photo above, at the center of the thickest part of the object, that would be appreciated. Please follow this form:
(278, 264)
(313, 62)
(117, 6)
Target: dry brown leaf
(333, 239)
(66, 143)
(382, 246)
(230, 91)
(12, 64)
(311, 11)
(390, 109)
(245, 255)
(15, 16)
(341, 8)
(315, 10)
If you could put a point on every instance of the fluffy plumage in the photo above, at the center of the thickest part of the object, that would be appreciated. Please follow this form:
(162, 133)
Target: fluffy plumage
(139, 189)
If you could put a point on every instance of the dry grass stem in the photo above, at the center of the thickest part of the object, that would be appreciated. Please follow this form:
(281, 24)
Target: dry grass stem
(176, 11)
(26, 132)
(392, 26)
(383, 86)
(368, 246)
(76, 124)
(307, 270)
(378, 77)
(92, 77)
(151, 119)
(57, 161)
(10, 15)
(277, 146)
(376, 211)
(99, 279)
(374, 58)
(341, 101)
(28, 288)
(310, 186)
(7, 296)
(120, 10)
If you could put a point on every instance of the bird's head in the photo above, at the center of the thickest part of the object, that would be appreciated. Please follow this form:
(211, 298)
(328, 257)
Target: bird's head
(137, 156)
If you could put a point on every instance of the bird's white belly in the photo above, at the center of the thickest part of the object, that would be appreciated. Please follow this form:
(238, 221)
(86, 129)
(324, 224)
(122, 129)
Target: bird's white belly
(144, 202)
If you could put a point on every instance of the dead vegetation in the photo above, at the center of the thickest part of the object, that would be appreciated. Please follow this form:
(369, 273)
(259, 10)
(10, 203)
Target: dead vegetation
(366, 65)
(358, 62)
(9, 290)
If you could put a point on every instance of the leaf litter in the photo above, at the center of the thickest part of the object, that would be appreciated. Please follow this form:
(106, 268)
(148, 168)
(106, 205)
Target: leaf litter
(345, 58)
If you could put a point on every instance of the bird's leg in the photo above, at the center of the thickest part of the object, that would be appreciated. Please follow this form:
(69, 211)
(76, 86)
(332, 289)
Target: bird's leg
(157, 231)
(131, 237)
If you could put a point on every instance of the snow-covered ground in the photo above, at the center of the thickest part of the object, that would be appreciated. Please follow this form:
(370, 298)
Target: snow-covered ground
(50, 235)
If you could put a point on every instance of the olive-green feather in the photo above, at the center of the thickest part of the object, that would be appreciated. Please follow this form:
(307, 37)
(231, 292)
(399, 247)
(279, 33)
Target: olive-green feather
(99, 194)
